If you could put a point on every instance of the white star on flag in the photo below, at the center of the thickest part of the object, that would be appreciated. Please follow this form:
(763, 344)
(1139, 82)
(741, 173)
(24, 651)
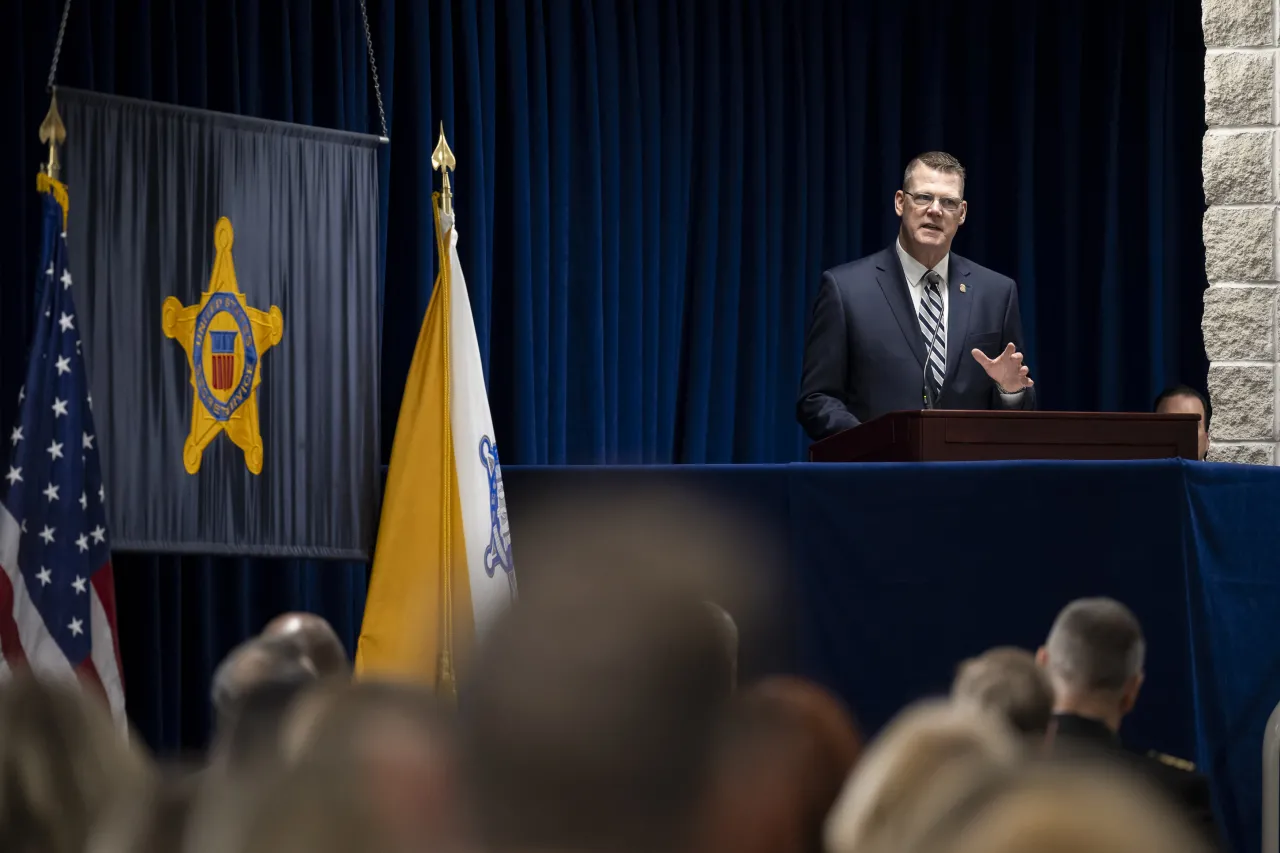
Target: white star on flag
(99, 534)
(78, 583)
(66, 321)
(76, 627)
(14, 475)
(16, 436)
(59, 407)
(49, 271)
(84, 501)
(66, 279)
(22, 393)
(102, 494)
(45, 576)
(24, 525)
(54, 451)
(51, 493)
(89, 397)
(86, 441)
(83, 543)
(47, 534)
(63, 365)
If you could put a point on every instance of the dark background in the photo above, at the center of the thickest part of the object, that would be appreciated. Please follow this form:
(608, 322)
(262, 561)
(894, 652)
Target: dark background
(648, 191)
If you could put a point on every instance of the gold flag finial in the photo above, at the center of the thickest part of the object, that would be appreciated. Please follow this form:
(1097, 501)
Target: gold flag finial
(53, 132)
(442, 159)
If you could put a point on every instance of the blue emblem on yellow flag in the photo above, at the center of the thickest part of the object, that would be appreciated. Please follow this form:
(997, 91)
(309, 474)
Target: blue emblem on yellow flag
(225, 340)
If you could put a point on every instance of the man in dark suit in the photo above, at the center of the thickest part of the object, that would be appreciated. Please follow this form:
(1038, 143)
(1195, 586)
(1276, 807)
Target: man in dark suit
(874, 319)
(1094, 658)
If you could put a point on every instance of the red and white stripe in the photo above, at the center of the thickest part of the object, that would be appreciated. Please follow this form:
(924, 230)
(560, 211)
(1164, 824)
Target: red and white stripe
(25, 639)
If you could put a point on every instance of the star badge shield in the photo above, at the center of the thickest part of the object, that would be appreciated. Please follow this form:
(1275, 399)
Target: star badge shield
(224, 339)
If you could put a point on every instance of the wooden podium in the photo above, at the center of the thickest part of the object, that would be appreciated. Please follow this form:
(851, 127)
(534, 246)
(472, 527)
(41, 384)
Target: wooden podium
(941, 435)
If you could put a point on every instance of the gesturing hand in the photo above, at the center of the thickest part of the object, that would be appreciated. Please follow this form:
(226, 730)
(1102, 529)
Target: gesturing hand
(1006, 369)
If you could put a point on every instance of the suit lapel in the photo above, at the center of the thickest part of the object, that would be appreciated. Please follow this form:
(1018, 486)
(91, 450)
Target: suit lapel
(894, 286)
(958, 305)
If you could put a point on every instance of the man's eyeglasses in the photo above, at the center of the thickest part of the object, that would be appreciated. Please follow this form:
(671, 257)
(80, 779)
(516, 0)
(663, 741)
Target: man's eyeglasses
(950, 205)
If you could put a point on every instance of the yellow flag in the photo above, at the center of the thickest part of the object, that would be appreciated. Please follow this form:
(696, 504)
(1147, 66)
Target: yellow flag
(442, 568)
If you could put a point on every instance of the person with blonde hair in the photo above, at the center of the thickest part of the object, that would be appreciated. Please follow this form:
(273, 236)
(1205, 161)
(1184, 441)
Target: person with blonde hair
(930, 755)
(63, 766)
(1061, 809)
(1007, 681)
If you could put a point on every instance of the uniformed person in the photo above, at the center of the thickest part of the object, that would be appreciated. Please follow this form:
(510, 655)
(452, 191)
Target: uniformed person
(1094, 657)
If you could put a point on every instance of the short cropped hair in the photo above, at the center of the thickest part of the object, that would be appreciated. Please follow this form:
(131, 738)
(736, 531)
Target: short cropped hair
(1007, 681)
(1183, 391)
(939, 161)
(1096, 644)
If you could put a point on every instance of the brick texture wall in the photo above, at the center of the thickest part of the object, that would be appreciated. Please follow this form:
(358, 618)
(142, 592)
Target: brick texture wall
(1241, 190)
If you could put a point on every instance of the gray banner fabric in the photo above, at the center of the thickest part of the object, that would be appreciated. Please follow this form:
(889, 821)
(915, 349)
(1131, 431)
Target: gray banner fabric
(285, 346)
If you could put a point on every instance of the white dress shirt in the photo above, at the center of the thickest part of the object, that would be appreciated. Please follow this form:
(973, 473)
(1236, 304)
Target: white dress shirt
(915, 272)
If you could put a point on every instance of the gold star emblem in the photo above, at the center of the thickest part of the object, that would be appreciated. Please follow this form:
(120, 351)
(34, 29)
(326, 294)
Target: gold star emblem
(225, 340)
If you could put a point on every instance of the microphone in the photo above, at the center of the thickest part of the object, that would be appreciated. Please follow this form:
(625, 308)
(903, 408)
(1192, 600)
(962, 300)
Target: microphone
(929, 402)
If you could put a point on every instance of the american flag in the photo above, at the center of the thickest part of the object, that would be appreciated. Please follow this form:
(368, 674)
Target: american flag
(57, 594)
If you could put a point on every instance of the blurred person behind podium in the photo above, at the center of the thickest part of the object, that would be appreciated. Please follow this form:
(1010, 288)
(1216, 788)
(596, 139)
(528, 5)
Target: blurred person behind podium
(1185, 400)
(874, 318)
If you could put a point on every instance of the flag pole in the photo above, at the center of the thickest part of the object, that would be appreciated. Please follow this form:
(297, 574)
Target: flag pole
(442, 160)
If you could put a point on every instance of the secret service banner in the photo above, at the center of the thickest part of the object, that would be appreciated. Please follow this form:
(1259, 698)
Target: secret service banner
(226, 275)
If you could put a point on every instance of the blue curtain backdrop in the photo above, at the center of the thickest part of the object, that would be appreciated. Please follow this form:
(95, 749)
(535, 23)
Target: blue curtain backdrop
(648, 191)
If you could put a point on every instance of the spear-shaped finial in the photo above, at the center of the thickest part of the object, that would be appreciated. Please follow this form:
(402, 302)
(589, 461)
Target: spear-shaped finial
(442, 159)
(53, 132)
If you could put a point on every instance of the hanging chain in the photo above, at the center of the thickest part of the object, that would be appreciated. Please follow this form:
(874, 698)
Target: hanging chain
(57, 46)
(373, 66)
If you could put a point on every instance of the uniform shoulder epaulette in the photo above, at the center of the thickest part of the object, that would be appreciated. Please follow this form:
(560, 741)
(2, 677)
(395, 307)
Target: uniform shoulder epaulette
(1173, 761)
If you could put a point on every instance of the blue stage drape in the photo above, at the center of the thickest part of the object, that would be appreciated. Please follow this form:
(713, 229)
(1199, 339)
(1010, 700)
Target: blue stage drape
(648, 191)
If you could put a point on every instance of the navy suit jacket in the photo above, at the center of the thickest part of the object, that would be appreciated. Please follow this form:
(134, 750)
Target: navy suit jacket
(864, 353)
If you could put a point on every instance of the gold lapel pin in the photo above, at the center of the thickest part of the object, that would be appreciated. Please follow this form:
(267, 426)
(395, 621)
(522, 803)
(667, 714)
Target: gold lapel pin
(962, 287)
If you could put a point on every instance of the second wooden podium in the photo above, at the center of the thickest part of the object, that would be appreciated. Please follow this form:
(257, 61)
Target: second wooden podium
(941, 435)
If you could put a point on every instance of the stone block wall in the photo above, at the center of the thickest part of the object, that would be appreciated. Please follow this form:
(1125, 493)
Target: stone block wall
(1242, 111)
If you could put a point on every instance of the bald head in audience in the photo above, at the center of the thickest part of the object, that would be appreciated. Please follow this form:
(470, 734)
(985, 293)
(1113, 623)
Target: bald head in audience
(317, 640)
(1008, 682)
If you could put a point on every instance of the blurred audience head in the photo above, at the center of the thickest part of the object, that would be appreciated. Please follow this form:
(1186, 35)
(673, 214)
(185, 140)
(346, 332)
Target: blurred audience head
(293, 810)
(589, 718)
(1094, 656)
(1008, 682)
(1045, 809)
(787, 747)
(64, 766)
(253, 690)
(317, 640)
(256, 662)
(400, 743)
(153, 821)
(250, 736)
(929, 757)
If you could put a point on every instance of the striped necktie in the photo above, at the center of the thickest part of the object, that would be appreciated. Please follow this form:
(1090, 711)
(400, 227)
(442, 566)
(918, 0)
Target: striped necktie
(932, 326)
